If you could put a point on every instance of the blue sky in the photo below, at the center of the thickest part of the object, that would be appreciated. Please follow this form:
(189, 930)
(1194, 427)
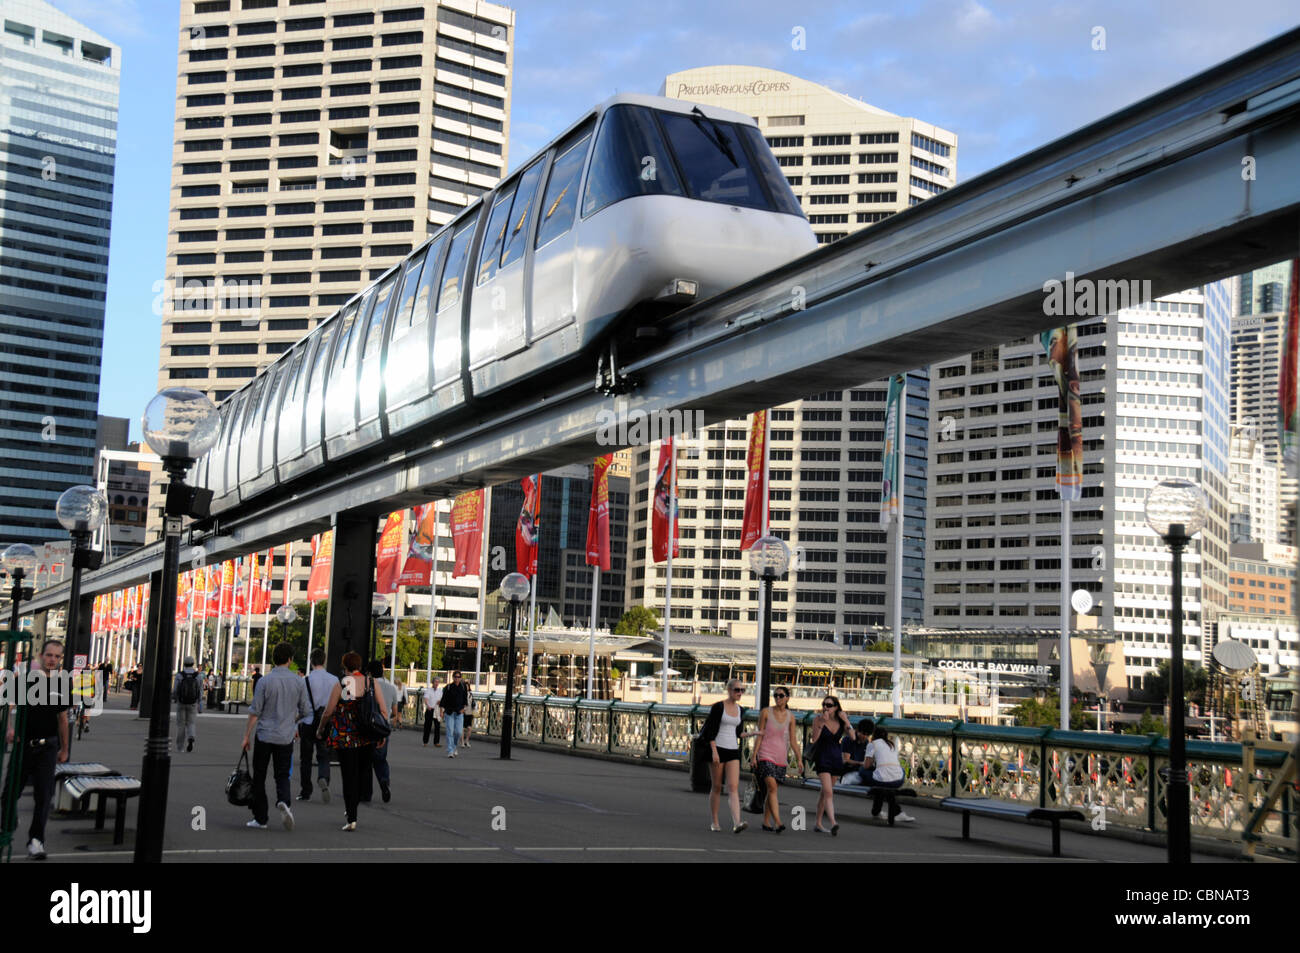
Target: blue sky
(1006, 77)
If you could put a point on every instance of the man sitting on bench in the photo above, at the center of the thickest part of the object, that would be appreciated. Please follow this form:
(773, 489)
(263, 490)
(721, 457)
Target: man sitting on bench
(854, 750)
(881, 761)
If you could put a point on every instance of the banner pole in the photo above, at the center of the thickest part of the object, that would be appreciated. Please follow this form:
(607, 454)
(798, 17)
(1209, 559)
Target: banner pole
(485, 537)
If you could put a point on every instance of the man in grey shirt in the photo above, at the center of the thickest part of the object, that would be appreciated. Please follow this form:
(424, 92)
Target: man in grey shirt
(320, 684)
(187, 692)
(279, 704)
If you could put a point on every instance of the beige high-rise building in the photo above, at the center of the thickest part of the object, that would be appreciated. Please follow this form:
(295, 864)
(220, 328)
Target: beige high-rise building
(850, 164)
(317, 142)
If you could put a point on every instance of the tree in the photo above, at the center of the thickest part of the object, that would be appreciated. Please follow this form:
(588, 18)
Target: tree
(1031, 713)
(1194, 681)
(1147, 725)
(638, 621)
(887, 645)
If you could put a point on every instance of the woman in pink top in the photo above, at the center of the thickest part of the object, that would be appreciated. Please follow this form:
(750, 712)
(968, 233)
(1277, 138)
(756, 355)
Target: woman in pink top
(776, 739)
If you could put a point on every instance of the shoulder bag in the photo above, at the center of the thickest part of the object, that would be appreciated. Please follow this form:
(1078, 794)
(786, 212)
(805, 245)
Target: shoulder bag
(371, 721)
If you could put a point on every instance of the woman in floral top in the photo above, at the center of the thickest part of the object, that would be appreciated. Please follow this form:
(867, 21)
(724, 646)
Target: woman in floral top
(339, 730)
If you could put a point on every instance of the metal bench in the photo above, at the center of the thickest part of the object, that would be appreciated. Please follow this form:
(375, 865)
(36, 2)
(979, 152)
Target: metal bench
(119, 788)
(1024, 812)
(232, 707)
(888, 795)
(75, 769)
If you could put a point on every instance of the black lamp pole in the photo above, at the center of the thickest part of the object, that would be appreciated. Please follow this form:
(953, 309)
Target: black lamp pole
(765, 647)
(156, 772)
(15, 594)
(1176, 791)
(508, 711)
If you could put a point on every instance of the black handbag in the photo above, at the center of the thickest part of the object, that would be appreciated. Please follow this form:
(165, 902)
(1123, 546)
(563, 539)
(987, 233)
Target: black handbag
(239, 787)
(371, 721)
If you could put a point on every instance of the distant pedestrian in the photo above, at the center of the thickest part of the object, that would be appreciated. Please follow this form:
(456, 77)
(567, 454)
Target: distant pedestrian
(257, 675)
(882, 761)
(320, 685)
(722, 733)
(279, 704)
(187, 693)
(829, 727)
(777, 739)
(401, 704)
(454, 699)
(134, 682)
(341, 732)
(45, 741)
(470, 704)
(386, 696)
(432, 695)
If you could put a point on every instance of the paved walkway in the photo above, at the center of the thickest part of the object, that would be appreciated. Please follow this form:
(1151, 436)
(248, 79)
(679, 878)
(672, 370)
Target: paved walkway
(541, 806)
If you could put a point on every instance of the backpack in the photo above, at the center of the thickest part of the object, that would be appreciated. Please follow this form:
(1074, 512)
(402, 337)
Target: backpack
(187, 693)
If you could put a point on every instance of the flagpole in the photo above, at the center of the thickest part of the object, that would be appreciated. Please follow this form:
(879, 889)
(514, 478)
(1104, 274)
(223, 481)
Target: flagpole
(189, 631)
(901, 490)
(532, 623)
(311, 628)
(266, 611)
(248, 614)
(485, 538)
(668, 589)
(221, 617)
(433, 588)
(591, 646)
(1067, 669)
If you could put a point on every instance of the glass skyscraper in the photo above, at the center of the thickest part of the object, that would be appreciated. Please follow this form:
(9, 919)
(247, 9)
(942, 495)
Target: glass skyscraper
(58, 141)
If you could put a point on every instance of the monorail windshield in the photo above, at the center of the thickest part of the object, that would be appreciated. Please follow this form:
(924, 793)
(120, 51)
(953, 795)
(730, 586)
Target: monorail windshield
(642, 151)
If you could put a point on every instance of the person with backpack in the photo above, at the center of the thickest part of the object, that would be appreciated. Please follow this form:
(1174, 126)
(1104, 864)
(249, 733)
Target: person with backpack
(320, 685)
(187, 693)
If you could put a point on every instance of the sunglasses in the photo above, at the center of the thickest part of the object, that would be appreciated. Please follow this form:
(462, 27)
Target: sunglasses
(828, 705)
(737, 689)
(780, 695)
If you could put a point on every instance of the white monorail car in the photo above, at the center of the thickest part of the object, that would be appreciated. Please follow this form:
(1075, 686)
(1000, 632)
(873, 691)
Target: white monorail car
(641, 205)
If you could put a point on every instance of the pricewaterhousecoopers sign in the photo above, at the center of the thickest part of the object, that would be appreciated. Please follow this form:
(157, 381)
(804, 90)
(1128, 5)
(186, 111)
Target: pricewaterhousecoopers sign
(757, 88)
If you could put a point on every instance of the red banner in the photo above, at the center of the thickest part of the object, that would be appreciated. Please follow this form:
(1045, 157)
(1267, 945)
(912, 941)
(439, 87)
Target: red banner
(755, 482)
(467, 532)
(239, 589)
(529, 526)
(388, 554)
(322, 555)
(420, 557)
(1289, 379)
(665, 489)
(227, 585)
(182, 597)
(213, 602)
(262, 603)
(598, 514)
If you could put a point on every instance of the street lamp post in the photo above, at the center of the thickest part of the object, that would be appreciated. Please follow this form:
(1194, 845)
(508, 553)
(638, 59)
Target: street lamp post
(1100, 666)
(769, 558)
(515, 587)
(81, 510)
(180, 425)
(19, 560)
(1176, 511)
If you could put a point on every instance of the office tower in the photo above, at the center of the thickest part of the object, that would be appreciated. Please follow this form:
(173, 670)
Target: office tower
(1155, 402)
(316, 143)
(1263, 290)
(58, 143)
(850, 164)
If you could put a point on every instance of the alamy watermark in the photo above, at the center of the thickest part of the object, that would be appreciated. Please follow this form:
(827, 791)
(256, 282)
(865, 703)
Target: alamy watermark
(1089, 298)
(621, 427)
(178, 295)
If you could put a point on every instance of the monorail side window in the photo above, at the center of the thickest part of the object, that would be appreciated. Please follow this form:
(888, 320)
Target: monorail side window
(453, 275)
(714, 161)
(517, 239)
(254, 403)
(317, 379)
(342, 357)
(630, 158)
(495, 238)
(375, 329)
(419, 312)
(765, 164)
(296, 375)
(561, 199)
(410, 284)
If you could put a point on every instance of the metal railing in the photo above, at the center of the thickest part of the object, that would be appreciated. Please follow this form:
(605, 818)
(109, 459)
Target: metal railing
(1112, 779)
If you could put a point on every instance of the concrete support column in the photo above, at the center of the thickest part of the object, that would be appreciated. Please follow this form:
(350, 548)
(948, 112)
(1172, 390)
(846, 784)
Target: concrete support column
(352, 574)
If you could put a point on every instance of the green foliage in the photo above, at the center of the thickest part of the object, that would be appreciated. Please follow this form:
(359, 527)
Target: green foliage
(887, 645)
(1031, 713)
(638, 621)
(1147, 725)
(412, 644)
(1194, 681)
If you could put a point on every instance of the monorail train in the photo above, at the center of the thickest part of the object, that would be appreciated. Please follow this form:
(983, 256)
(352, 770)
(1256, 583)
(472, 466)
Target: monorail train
(644, 204)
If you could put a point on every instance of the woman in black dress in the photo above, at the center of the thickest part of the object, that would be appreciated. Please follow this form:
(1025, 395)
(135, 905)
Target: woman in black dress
(829, 727)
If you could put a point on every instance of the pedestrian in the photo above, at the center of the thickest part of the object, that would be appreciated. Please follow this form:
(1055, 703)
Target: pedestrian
(432, 695)
(777, 739)
(469, 716)
(881, 759)
(187, 693)
(134, 682)
(386, 696)
(45, 739)
(257, 675)
(210, 687)
(853, 751)
(721, 732)
(830, 725)
(454, 699)
(340, 729)
(320, 684)
(106, 670)
(279, 704)
(401, 703)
